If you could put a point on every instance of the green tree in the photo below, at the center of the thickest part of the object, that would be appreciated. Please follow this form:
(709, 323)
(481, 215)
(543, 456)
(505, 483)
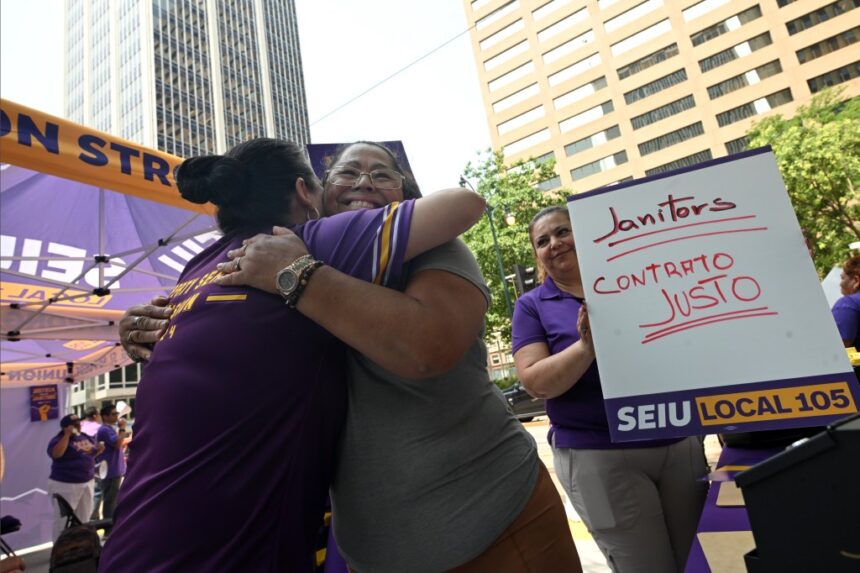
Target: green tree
(512, 194)
(818, 152)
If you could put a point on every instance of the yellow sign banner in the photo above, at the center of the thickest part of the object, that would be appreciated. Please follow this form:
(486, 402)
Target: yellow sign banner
(48, 144)
(833, 399)
(20, 292)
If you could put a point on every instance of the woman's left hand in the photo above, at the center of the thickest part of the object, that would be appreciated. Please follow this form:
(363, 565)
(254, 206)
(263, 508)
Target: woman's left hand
(260, 259)
(584, 327)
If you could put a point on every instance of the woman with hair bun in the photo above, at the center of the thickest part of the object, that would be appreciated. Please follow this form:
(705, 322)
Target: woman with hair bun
(240, 406)
(433, 473)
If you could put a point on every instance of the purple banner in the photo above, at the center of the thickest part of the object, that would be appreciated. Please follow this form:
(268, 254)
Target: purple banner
(25, 480)
(775, 404)
(44, 403)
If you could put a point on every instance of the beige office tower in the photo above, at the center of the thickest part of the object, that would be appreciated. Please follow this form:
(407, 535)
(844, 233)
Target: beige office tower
(615, 89)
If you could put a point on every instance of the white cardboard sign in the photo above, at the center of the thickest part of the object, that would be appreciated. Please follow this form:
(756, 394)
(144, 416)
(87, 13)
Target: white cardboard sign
(706, 310)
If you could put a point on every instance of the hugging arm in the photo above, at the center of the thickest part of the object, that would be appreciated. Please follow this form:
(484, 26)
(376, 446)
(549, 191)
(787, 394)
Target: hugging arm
(418, 333)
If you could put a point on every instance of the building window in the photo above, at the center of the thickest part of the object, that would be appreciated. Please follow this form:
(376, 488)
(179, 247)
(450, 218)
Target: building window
(550, 184)
(662, 112)
(829, 45)
(569, 47)
(701, 9)
(574, 70)
(511, 76)
(694, 159)
(495, 360)
(579, 93)
(551, 6)
(516, 97)
(527, 142)
(604, 164)
(645, 36)
(651, 59)
(565, 23)
(745, 79)
(835, 77)
(593, 140)
(508, 54)
(520, 120)
(656, 86)
(735, 52)
(737, 145)
(671, 138)
(586, 116)
(544, 158)
(631, 15)
(502, 34)
(820, 15)
(727, 25)
(762, 105)
(497, 14)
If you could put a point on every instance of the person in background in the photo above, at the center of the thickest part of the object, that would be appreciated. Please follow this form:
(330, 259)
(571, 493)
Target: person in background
(240, 407)
(113, 435)
(846, 310)
(72, 470)
(91, 422)
(433, 474)
(641, 501)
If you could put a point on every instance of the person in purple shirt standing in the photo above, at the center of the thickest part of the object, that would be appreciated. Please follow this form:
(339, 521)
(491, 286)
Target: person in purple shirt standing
(846, 310)
(114, 441)
(640, 500)
(242, 401)
(72, 456)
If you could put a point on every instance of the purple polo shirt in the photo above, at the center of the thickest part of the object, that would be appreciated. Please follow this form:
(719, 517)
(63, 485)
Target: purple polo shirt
(239, 412)
(846, 312)
(77, 464)
(577, 417)
(112, 454)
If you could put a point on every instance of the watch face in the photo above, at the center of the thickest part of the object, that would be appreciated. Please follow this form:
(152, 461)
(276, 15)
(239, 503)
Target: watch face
(287, 281)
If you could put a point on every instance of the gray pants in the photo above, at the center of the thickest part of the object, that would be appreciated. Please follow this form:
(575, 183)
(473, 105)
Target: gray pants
(110, 490)
(641, 505)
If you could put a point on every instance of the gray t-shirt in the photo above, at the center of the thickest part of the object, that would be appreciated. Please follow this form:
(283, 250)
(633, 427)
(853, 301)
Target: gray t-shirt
(430, 471)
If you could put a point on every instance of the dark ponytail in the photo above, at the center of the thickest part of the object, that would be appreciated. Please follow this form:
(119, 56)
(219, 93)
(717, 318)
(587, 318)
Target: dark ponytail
(253, 185)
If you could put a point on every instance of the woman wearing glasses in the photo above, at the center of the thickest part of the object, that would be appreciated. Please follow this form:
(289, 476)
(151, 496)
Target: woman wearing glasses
(434, 474)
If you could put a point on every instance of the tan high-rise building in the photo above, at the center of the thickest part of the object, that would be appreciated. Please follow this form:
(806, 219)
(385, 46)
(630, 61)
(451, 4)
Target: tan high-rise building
(615, 89)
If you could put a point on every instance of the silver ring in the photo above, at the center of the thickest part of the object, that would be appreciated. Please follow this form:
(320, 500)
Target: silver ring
(128, 337)
(136, 322)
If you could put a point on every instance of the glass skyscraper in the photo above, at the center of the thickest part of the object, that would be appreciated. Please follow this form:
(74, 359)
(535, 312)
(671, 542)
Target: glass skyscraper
(188, 77)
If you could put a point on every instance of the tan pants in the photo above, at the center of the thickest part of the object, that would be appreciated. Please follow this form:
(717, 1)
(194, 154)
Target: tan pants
(641, 505)
(538, 540)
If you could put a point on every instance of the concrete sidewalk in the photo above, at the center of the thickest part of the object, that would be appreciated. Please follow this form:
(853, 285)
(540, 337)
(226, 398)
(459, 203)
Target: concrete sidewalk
(590, 556)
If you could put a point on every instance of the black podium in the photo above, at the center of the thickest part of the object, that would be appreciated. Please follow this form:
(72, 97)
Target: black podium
(804, 504)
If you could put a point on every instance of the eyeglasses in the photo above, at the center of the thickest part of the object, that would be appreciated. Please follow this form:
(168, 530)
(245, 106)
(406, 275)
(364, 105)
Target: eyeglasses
(379, 178)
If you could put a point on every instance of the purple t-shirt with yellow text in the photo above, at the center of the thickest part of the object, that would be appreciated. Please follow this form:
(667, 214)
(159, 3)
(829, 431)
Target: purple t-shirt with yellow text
(239, 412)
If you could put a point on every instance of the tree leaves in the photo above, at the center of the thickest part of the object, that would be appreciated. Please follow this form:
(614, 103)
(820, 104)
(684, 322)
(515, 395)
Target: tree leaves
(818, 153)
(509, 191)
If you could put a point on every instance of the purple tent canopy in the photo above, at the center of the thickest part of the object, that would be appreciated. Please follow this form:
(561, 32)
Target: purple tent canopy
(73, 257)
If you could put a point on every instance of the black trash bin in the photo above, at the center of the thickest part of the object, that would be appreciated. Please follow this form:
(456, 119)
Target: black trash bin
(804, 504)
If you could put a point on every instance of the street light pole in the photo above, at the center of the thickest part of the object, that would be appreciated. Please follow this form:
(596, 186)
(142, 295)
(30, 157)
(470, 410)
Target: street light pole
(489, 212)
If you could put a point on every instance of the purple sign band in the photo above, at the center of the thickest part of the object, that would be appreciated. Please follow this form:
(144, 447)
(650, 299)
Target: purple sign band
(794, 403)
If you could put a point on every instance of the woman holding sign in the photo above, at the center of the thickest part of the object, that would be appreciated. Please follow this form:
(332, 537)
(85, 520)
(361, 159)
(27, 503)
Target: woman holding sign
(640, 500)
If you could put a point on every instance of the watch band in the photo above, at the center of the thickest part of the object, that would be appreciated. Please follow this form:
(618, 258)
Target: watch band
(304, 277)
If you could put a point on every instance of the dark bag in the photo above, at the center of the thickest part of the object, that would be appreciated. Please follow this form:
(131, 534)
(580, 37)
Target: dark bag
(76, 550)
